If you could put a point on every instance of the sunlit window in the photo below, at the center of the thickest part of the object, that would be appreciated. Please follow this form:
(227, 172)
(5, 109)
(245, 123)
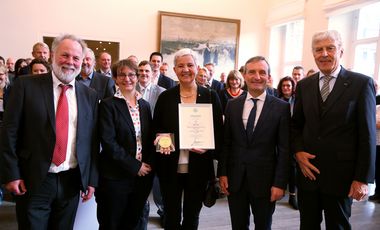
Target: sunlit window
(286, 46)
(369, 21)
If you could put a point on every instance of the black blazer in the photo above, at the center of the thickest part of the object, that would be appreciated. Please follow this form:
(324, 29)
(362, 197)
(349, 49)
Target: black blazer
(103, 85)
(262, 161)
(118, 138)
(166, 82)
(341, 132)
(166, 121)
(28, 135)
(216, 85)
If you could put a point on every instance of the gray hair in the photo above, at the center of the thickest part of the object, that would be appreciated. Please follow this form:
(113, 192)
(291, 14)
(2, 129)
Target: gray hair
(72, 37)
(328, 34)
(89, 51)
(185, 52)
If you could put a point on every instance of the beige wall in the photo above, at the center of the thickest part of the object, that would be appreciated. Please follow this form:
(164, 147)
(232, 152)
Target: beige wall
(132, 23)
(135, 23)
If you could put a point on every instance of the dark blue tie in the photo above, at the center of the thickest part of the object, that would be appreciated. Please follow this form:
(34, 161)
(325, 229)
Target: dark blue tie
(251, 119)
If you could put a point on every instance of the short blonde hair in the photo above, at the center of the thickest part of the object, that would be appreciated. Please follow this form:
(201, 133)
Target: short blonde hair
(234, 74)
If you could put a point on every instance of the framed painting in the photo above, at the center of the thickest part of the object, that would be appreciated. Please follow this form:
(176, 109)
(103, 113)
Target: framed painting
(215, 40)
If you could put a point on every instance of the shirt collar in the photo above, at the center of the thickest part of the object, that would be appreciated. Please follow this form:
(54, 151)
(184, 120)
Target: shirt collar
(147, 88)
(57, 82)
(333, 74)
(261, 97)
(89, 77)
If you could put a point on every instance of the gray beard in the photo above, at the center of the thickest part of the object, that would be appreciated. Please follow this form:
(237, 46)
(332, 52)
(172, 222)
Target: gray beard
(64, 77)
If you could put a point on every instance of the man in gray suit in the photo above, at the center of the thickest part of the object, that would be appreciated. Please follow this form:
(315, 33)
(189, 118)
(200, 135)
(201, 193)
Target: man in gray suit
(149, 91)
(102, 84)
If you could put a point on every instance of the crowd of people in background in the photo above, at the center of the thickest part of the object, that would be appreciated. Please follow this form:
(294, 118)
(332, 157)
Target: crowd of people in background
(91, 125)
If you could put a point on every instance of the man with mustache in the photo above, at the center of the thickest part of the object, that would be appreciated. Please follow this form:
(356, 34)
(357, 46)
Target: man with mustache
(49, 149)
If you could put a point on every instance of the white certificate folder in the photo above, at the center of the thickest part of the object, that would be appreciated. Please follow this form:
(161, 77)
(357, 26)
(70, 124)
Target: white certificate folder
(196, 126)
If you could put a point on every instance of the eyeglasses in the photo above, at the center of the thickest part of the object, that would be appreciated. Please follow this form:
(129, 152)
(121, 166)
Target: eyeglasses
(131, 76)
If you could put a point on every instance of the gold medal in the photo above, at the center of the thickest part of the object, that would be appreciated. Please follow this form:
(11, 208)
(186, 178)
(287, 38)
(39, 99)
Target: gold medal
(165, 142)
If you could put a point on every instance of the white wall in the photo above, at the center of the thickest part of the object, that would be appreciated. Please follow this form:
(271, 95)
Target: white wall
(135, 24)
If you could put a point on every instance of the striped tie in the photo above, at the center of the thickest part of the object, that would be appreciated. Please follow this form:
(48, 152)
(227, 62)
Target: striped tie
(325, 91)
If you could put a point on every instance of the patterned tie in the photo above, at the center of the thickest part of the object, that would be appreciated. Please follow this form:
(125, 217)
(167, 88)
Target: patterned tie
(61, 127)
(325, 91)
(251, 119)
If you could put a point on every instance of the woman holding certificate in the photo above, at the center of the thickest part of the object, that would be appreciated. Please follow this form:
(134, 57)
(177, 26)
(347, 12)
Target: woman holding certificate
(185, 168)
(125, 177)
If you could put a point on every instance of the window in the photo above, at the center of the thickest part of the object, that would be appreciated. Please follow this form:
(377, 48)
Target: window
(286, 46)
(360, 31)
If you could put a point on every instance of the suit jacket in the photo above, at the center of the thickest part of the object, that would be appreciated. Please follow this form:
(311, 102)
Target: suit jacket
(166, 121)
(103, 85)
(166, 82)
(340, 132)
(263, 161)
(28, 135)
(216, 85)
(152, 96)
(118, 138)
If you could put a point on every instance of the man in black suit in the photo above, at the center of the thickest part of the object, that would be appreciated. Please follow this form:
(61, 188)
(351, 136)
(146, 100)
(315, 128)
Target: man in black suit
(254, 162)
(48, 157)
(212, 83)
(104, 62)
(158, 78)
(102, 84)
(333, 137)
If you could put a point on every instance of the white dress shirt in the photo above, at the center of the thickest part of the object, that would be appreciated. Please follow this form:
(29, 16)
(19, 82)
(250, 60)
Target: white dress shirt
(248, 105)
(71, 158)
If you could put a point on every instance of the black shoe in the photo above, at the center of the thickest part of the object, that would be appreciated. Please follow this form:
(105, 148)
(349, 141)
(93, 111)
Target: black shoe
(374, 197)
(293, 202)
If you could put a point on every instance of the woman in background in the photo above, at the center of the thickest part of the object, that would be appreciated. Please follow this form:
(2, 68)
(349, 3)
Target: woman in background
(234, 85)
(39, 66)
(184, 173)
(20, 63)
(286, 92)
(202, 76)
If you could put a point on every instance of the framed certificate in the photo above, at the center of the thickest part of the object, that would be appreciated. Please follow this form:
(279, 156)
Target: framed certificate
(196, 126)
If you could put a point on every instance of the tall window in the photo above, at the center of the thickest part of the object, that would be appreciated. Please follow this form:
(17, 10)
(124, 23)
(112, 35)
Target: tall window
(360, 29)
(286, 44)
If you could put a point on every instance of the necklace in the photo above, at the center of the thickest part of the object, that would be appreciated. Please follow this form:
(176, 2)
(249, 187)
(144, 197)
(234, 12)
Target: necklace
(234, 94)
(187, 96)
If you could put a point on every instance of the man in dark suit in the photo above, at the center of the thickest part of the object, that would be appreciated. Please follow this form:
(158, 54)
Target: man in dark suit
(212, 83)
(48, 157)
(102, 84)
(333, 137)
(254, 162)
(104, 62)
(158, 78)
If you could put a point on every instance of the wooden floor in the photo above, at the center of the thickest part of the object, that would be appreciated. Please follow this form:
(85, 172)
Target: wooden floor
(365, 216)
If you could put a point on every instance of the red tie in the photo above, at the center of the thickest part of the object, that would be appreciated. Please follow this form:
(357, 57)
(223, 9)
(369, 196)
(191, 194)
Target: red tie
(61, 127)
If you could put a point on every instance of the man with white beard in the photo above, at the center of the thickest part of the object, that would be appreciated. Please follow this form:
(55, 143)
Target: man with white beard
(48, 151)
(102, 84)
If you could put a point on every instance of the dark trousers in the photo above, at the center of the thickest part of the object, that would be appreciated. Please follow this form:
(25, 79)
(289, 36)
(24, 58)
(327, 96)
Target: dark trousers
(53, 206)
(262, 209)
(292, 176)
(193, 191)
(121, 201)
(337, 210)
(377, 170)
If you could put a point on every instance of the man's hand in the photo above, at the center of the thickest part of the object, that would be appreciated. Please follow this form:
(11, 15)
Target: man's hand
(358, 190)
(303, 159)
(17, 187)
(88, 195)
(276, 194)
(144, 169)
(223, 182)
